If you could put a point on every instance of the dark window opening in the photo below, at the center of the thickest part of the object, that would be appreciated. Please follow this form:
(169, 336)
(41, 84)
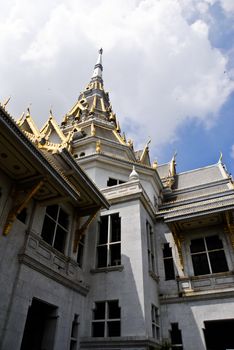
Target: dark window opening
(99, 311)
(98, 329)
(74, 333)
(109, 237)
(55, 227)
(219, 334)
(150, 247)
(22, 216)
(115, 228)
(106, 319)
(113, 309)
(155, 322)
(80, 254)
(176, 337)
(114, 182)
(113, 328)
(40, 326)
(208, 255)
(168, 262)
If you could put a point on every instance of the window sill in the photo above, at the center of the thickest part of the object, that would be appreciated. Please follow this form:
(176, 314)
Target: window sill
(107, 269)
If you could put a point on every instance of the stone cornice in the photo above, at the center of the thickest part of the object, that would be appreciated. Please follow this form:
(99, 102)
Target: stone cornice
(129, 191)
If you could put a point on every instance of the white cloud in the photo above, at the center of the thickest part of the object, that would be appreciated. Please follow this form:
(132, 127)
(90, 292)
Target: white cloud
(160, 69)
(228, 6)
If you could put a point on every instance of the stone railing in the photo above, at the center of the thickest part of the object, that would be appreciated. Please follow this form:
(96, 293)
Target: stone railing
(42, 257)
(206, 284)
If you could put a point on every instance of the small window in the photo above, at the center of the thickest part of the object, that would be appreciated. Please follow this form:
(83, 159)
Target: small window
(168, 262)
(176, 337)
(82, 154)
(114, 182)
(74, 333)
(109, 241)
(150, 247)
(155, 322)
(55, 227)
(80, 254)
(208, 255)
(106, 319)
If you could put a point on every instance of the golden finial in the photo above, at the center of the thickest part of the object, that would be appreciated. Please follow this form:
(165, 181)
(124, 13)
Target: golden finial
(98, 146)
(155, 164)
(130, 143)
(112, 117)
(118, 128)
(172, 170)
(6, 102)
(220, 158)
(147, 145)
(28, 112)
(51, 113)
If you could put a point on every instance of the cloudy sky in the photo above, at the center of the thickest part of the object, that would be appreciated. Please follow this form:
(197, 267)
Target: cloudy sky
(168, 65)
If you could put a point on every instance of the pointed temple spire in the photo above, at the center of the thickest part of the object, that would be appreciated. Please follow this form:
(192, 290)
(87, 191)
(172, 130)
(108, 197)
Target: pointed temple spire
(97, 73)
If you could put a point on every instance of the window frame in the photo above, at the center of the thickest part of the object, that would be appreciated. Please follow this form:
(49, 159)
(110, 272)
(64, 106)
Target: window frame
(150, 247)
(207, 253)
(169, 259)
(176, 332)
(57, 224)
(106, 320)
(155, 321)
(108, 244)
(118, 182)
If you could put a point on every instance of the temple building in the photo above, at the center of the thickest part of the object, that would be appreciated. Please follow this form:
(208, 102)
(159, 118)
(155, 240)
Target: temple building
(102, 249)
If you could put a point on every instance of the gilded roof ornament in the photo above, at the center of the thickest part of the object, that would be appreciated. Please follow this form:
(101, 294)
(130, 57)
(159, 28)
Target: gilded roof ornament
(6, 102)
(155, 164)
(98, 146)
(220, 158)
(97, 73)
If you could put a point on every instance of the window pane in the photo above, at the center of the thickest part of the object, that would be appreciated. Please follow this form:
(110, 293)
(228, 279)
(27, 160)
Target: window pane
(111, 182)
(52, 210)
(115, 258)
(113, 309)
(218, 261)
(115, 228)
(197, 245)
(113, 329)
(99, 311)
(169, 269)
(63, 218)
(80, 254)
(214, 242)
(102, 256)
(103, 229)
(167, 252)
(98, 329)
(200, 264)
(60, 239)
(48, 230)
(176, 336)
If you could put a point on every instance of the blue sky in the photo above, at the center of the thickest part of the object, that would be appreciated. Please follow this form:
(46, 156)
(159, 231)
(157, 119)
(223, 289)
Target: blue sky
(168, 65)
